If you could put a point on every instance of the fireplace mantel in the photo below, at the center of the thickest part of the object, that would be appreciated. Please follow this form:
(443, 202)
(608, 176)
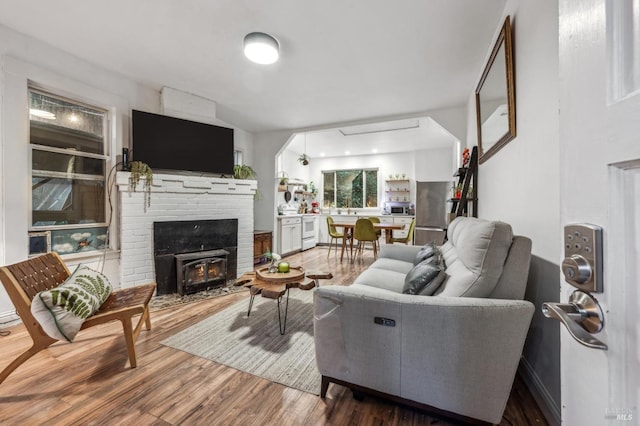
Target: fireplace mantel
(190, 184)
(179, 198)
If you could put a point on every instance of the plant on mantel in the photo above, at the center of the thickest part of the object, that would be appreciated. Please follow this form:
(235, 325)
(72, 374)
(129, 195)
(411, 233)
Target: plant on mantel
(242, 171)
(140, 170)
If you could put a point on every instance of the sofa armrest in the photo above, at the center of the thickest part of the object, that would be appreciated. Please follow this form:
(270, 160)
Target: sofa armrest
(399, 252)
(458, 354)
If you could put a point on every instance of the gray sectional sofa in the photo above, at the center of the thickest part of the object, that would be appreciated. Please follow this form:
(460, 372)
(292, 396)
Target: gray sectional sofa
(454, 352)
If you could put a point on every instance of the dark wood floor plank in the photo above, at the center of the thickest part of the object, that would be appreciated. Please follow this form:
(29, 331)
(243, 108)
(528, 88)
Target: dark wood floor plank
(89, 382)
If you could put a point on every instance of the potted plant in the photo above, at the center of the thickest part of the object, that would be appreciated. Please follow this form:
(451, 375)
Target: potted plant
(283, 180)
(140, 170)
(458, 191)
(242, 171)
(303, 159)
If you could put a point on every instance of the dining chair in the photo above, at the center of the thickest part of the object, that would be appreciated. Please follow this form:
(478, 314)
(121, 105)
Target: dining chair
(408, 238)
(334, 234)
(375, 220)
(363, 232)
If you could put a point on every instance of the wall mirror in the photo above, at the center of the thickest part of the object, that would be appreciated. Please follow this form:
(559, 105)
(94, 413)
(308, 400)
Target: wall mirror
(495, 97)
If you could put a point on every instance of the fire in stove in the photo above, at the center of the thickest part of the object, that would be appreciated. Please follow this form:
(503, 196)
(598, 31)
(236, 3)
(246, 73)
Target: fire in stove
(201, 270)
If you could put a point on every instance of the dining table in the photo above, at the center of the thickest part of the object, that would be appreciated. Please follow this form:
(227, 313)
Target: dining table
(388, 229)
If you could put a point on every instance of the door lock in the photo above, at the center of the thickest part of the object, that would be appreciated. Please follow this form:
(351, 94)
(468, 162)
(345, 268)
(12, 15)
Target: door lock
(582, 264)
(582, 316)
(582, 268)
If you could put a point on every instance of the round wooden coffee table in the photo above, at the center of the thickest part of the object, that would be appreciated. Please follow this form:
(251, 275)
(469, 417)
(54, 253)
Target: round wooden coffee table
(274, 285)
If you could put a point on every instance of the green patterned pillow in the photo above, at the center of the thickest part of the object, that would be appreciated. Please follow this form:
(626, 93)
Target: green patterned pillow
(62, 310)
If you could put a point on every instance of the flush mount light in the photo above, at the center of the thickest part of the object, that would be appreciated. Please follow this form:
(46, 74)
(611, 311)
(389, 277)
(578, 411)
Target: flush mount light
(261, 48)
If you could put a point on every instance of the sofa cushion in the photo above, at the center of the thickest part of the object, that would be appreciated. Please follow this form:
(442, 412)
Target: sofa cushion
(392, 265)
(424, 278)
(382, 278)
(62, 310)
(474, 256)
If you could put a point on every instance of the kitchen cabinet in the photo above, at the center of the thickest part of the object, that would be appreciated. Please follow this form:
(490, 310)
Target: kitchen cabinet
(262, 243)
(402, 233)
(290, 231)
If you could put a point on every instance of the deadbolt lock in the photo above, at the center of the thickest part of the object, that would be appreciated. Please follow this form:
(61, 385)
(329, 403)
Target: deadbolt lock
(582, 264)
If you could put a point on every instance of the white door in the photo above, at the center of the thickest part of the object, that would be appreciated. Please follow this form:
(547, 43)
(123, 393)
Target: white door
(599, 48)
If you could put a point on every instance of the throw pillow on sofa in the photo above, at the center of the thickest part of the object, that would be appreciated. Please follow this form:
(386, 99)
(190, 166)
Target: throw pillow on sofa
(427, 251)
(62, 310)
(424, 279)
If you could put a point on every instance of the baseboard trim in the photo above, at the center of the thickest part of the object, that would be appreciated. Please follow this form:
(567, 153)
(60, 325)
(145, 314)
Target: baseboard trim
(9, 319)
(539, 392)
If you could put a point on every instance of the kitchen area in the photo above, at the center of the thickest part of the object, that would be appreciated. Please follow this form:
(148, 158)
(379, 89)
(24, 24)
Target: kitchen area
(413, 181)
(301, 223)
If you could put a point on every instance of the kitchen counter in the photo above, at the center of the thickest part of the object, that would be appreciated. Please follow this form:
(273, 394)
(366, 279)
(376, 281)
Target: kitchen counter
(280, 216)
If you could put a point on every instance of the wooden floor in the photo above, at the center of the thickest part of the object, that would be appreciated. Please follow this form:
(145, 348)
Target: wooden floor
(89, 381)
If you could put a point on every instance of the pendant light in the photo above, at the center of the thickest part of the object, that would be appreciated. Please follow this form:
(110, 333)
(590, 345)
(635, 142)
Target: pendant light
(261, 48)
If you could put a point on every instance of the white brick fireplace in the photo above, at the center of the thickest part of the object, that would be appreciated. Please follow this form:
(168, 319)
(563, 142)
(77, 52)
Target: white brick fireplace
(179, 198)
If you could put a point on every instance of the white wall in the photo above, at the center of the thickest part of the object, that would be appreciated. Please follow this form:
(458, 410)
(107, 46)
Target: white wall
(425, 165)
(520, 184)
(267, 145)
(24, 59)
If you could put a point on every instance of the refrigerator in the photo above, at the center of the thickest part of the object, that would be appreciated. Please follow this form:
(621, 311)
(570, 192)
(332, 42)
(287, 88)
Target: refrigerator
(431, 212)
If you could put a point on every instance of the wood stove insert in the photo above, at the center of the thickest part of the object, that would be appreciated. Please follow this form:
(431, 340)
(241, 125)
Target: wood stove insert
(200, 270)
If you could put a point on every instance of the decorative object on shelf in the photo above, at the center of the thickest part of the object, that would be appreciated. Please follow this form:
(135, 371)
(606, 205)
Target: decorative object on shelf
(466, 155)
(284, 178)
(458, 191)
(275, 258)
(313, 189)
(283, 267)
(404, 176)
(465, 196)
(141, 170)
(242, 171)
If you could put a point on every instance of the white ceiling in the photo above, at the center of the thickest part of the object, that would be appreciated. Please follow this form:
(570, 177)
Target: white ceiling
(378, 138)
(340, 61)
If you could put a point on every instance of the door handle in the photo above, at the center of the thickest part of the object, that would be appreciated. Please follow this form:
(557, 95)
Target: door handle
(581, 316)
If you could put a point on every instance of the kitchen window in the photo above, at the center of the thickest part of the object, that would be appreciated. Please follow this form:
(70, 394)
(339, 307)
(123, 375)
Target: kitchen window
(355, 188)
(68, 171)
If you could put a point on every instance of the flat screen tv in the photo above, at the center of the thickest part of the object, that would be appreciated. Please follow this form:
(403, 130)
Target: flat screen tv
(174, 144)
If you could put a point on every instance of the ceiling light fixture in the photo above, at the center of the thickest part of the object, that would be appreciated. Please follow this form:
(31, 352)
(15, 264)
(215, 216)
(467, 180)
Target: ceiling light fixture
(261, 48)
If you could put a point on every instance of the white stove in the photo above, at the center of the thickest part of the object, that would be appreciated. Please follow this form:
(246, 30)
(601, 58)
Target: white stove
(309, 224)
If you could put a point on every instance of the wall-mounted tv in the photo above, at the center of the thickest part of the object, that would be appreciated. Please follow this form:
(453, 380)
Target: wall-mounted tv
(174, 144)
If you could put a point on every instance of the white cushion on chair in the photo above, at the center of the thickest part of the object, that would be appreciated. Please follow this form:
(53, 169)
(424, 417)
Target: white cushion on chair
(62, 310)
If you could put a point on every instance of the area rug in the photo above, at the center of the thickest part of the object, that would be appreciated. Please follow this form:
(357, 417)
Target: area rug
(168, 300)
(254, 345)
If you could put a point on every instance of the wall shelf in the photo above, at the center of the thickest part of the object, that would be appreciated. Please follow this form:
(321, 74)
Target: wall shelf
(468, 180)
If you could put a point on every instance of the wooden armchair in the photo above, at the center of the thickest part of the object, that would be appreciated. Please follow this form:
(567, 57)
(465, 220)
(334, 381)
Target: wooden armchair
(24, 280)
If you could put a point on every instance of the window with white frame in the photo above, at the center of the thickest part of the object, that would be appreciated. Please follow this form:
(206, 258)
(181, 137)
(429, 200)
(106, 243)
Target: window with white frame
(68, 171)
(355, 188)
